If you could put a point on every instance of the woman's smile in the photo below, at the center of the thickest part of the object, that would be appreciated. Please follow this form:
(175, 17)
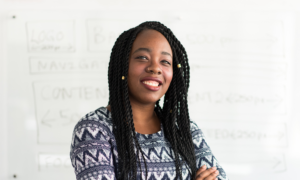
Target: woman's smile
(152, 83)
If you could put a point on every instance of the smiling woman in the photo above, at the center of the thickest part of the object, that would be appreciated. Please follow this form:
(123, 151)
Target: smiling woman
(133, 137)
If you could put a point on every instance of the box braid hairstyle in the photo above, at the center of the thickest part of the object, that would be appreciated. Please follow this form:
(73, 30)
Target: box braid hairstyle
(174, 114)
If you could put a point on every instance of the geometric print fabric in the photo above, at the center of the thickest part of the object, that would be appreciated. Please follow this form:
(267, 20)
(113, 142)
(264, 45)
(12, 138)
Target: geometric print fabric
(94, 153)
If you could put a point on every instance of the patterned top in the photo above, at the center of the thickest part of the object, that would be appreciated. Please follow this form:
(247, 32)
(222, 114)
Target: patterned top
(94, 151)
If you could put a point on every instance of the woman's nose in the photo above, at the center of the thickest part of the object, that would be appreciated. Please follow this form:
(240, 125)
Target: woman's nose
(154, 68)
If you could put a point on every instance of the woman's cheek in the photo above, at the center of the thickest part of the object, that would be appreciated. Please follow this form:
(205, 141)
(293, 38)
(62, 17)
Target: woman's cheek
(137, 70)
(169, 75)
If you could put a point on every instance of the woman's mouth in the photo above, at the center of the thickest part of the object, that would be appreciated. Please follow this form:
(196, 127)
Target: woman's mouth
(152, 85)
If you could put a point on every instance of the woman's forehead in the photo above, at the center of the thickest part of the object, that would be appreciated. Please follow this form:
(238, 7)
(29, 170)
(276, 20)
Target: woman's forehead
(150, 38)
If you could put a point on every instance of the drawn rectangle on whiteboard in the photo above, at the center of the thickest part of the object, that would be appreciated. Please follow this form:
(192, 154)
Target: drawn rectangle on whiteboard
(102, 34)
(51, 36)
(45, 65)
(250, 163)
(250, 38)
(54, 162)
(60, 104)
(246, 134)
(243, 69)
(234, 98)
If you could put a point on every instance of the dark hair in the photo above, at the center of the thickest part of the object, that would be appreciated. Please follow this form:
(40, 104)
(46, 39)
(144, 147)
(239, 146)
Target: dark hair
(174, 114)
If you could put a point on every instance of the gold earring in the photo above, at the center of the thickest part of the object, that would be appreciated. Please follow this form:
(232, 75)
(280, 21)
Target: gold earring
(123, 77)
(179, 65)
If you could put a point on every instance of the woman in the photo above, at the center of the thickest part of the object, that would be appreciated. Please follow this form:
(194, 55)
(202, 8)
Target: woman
(133, 137)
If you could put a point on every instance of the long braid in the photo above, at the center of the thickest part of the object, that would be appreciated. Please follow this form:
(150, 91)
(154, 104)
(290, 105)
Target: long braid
(173, 115)
(129, 110)
(117, 108)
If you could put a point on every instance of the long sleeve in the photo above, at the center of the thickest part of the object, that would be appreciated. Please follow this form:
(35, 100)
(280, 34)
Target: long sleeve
(203, 152)
(92, 149)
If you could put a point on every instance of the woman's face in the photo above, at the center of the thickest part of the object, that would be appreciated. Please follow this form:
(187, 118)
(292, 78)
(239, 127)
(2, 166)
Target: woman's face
(150, 67)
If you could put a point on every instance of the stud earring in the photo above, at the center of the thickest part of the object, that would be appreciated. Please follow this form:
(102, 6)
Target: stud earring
(123, 77)
(179, 65)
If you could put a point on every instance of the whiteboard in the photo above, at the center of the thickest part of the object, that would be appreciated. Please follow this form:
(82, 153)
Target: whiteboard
(241, 93)
(3, 108)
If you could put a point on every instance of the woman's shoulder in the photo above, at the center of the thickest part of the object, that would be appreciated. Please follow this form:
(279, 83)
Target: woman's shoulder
(194, 128)
(99, 118)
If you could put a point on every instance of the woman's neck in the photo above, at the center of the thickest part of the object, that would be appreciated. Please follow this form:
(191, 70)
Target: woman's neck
(144, 118)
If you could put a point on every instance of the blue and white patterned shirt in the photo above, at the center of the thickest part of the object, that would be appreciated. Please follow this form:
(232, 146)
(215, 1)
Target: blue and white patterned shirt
(94, 151)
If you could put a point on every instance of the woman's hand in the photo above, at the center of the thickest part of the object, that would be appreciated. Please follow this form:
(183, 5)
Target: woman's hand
(207, 174)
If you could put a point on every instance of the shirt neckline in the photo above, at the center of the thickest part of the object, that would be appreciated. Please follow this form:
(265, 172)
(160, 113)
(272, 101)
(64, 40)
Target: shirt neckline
(156, 133)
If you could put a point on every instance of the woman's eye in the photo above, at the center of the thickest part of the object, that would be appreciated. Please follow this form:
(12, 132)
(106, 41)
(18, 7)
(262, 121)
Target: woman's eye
(167, 62)
(141, 57)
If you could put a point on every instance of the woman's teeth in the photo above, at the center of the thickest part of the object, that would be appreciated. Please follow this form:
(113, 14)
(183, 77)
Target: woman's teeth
(151, 83)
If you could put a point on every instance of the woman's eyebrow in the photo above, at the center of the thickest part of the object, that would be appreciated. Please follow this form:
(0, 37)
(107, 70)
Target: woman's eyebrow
(149, 50)
(142, 49)
(166, 53)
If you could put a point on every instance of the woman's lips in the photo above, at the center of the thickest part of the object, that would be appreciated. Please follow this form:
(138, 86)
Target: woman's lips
(151, 88)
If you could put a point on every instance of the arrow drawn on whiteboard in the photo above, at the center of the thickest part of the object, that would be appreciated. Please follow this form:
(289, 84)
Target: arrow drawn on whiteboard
(46, 121)
(277, 162)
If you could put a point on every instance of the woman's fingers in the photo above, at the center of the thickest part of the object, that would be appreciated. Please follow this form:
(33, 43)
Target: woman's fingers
(200, 170)
(206, 174)
(212, 176)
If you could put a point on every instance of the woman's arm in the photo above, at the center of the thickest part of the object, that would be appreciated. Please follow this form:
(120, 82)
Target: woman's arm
(203, 153)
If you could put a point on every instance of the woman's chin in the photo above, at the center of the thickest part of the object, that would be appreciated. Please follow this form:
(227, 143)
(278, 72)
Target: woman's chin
(148, 101)
(145, 99)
